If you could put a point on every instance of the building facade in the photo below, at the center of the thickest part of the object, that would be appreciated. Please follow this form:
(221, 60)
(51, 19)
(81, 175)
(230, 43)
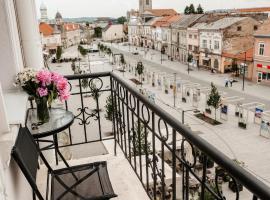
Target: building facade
(261, 70)
(113, 32)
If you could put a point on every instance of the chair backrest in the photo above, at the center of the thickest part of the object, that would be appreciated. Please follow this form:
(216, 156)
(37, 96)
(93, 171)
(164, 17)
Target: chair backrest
(25, 152)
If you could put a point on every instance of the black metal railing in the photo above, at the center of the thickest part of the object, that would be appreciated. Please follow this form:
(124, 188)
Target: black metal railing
(171, 161)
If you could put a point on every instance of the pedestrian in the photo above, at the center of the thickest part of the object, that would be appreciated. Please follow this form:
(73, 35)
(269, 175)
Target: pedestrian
(226, 82)
(231, 81)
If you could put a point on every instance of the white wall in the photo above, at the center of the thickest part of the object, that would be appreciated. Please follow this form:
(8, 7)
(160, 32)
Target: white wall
(10, 57)
(211, 37)
(115, 32)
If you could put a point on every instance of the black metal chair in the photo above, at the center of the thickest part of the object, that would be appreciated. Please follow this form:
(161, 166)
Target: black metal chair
(87, 182)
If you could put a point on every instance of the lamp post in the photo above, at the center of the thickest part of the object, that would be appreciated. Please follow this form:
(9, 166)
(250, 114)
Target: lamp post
(174, 90)
(244, 65)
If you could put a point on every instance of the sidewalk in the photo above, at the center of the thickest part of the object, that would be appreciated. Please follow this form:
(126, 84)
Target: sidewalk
(253, 92)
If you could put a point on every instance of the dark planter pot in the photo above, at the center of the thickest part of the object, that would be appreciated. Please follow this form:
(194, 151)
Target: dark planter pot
(237, 114)
(153, 84)
(222, 174)
(188, 94)
(184, 100)
(242, 125)
(207, 110)
(166, 92)
(171, 86)
(233, 186)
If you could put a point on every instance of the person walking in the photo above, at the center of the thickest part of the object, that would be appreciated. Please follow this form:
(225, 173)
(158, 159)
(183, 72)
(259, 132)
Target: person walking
(231, 81)
(226, 82)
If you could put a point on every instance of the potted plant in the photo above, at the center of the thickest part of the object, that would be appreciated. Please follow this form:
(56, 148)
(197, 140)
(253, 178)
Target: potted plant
(222, 174)
(44, 86)
(242, 125)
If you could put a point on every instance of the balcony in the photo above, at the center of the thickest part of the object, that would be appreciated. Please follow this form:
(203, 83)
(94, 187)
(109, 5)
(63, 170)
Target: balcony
(150, 154)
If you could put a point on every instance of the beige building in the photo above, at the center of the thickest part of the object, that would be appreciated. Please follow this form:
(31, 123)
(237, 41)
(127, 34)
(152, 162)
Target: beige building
(113, 32)
(229, 35)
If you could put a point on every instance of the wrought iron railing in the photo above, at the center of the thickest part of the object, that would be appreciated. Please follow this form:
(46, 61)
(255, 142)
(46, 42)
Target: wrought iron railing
(171, 161)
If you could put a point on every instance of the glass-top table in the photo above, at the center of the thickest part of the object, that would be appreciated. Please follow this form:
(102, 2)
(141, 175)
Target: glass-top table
(60, 120)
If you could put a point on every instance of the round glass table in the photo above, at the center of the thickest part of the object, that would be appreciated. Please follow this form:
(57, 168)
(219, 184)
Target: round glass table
(60, 120)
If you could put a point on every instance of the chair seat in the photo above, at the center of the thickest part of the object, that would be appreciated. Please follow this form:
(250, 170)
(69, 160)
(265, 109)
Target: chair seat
(93, 182)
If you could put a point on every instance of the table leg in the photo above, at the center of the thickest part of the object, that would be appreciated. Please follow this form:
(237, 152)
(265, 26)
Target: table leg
(56, 147)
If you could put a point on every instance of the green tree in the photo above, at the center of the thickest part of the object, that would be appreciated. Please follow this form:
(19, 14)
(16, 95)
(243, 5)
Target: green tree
(82, 50)
(98, 32)
(200, 9)
(141, 146)
(122, 59)
(109, 108)
(58, 52)
(87, 24)
(192, 9)
(214, 99)
(73, 66)
(140, 70)
(190, 58)
(122, 20)
(186, 11)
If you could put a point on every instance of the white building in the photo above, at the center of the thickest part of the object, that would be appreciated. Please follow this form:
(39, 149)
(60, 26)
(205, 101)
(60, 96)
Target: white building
(50, 38)
(43, 13)
(113, 32)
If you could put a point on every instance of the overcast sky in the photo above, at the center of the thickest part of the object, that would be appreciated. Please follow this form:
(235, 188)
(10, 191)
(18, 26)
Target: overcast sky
(116, 8)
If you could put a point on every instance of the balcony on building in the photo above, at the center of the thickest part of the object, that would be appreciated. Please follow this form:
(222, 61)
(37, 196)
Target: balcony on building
(150, 154)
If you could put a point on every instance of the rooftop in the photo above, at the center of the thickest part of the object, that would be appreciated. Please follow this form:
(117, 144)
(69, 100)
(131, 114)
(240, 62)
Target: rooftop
(186, 21)
(161, 12)
(45, 29)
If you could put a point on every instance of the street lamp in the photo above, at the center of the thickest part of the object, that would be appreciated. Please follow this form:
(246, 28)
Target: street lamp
(243, 67)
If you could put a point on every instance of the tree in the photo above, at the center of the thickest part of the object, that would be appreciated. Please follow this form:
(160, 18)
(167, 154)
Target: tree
(122, 20)
(87, 24)
(192, 9)
(187, 10)
(73, 66)
(82, 50)
(140, 145)
(139, 70)
(109, 108)
(58, 52)
(122, 59)
(200, 9)
(214, 99)
(190, 58)
(98, 32)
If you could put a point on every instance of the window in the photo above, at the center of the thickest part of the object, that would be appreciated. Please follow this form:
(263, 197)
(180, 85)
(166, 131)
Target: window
(190, 36)
(147, 2)
(261, 49)
(204, 44)
(239, 28)
(195, 36)
(190, 47)
(216, 45)
(196, 49)
(255, 28)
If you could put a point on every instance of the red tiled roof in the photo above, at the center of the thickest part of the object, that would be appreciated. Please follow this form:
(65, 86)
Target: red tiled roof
(240, 56)
(71, 26)
(162, 12)
(166, 21)
(259, 9)
(45, 29)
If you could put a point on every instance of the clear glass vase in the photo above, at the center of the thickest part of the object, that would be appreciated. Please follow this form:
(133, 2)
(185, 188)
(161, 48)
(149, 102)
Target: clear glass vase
(42, 109)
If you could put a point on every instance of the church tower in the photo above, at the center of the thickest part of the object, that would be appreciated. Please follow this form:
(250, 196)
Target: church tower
(145, 5)
(43, 13)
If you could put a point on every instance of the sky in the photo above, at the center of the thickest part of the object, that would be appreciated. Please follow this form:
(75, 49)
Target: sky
(116, 8)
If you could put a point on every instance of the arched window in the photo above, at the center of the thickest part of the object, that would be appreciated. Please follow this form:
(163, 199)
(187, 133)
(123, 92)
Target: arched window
(147, 2)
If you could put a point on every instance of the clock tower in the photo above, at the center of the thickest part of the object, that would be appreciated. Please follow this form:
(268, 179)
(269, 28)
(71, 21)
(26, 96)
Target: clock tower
(144, 5)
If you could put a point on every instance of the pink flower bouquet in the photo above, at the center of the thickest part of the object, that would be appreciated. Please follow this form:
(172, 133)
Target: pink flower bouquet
(43, 85)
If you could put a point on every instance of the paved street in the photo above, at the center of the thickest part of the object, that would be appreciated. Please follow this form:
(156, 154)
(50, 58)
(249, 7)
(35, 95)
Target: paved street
(252, 93)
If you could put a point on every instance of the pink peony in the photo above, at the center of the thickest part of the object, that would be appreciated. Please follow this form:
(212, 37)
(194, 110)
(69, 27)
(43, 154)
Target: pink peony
(62, 84)
(44, 77)
(42, 92)
(56, 77)
(64, 95)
